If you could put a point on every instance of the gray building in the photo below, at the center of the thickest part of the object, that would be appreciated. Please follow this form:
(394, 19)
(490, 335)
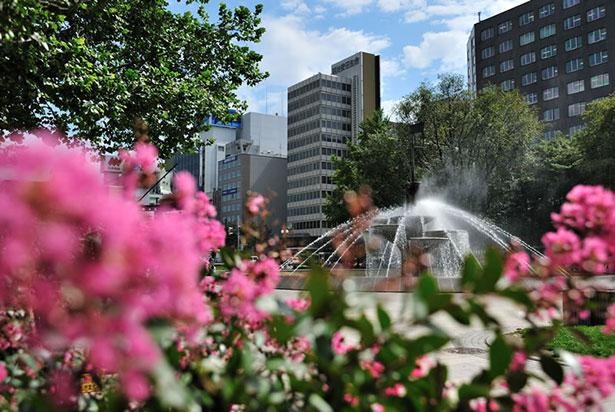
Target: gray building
(556, 52)
(266, 133)
(324, 113)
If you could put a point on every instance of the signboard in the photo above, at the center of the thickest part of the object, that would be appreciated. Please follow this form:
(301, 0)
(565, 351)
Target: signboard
(229, 191)
(111, 164)
(229, 159)
(214, 121)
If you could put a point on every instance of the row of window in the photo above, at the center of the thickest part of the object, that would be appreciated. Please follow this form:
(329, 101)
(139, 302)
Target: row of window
(574, 87)
(309, 167)
(316, 137)
(307, 181)
(570, 44)
(574, 110)
(316, 151)
(550, 72)
(300, 197)
(231, 208)
(316, 224)
(544, 11)
(315, 110)
(317, 84)
(308, 210)
(230, 175)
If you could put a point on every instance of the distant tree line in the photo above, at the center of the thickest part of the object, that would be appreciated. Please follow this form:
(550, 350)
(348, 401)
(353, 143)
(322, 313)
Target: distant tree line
(484, 153)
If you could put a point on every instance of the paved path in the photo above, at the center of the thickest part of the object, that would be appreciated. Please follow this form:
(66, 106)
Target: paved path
(467, 354)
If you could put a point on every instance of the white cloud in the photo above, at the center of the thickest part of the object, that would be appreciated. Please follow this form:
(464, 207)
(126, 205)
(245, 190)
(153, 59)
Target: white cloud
(291, 52)
(351, 7)
(295, 6)
(388, 107)
(448, 47)
(390, 68)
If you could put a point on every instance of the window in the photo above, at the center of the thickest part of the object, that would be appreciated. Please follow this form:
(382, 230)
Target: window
(507, 65)
(528, 58)
(488, 71)
(570, 3)
(573, 43)
(487, 52)
(526, 18)
(576, 87)
(549, 134)
(529, 78)
(596, 13)
(549, 73)
(600, 80)
(550, 115)
(507, 85)
(526, 38)
(572, 22)
(574, 65)
(550, 93)
(575, 129)
(546, 10)
(598, 58)
(547, 31)
(576, 109)
(505, 27)
(531, 98)
(505, 46)
(548, 52)
(596, 36)
(487, 34)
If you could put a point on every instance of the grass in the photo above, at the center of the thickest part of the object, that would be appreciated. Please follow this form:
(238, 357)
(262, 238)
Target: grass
(599, 344)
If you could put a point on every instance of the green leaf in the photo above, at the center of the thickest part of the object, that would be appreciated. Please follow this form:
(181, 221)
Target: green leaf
(500, 355)
(426, 344)
(470, 391)
(318, 287)
(494, 264)
(427, 287)
(383, 318)
(319, 403)
(471, 272)
(516, 381)
(552, 368)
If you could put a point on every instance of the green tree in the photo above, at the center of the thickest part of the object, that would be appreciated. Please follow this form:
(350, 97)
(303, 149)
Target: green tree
(597, 143)
(92, 68)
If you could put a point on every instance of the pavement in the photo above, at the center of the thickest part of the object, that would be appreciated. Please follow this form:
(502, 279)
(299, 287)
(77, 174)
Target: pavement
(468, 353)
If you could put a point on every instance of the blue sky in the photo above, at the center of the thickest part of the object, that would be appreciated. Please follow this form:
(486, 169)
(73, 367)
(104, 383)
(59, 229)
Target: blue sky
(416, 39)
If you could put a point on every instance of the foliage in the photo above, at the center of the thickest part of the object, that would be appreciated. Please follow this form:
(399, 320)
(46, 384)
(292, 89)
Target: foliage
(470, 150)
(256, 352)
(597, 143)
(91, 68)
(597, 344)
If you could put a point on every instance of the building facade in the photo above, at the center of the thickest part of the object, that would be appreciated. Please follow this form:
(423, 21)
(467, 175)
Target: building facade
(556, 52)
(324, 113)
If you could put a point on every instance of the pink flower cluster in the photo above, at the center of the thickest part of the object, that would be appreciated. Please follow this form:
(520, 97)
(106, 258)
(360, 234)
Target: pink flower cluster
(90, 266)
(339, 345)
(245, 285)
(582, 390)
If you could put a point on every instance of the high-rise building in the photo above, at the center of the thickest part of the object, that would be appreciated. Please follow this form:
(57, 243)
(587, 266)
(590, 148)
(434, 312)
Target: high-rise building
(556, 52)
(324, 113)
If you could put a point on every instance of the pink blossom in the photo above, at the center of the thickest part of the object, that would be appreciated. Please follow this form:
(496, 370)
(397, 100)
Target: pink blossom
(3, 372)
(374, 368)
(609, 326)
(351, 400)
(338, 344)
(184, 190)
(398, 390)
(518, 361)
(594, 254)
(516, 266)
(136, 386)
(377, 407)
(589, 208)
(562, 247)
(255, 204)
(423, 366)
(298, 304)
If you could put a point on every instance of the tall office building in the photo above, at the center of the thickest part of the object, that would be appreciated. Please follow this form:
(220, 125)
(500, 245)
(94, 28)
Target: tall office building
(556, 52)
(324, 113)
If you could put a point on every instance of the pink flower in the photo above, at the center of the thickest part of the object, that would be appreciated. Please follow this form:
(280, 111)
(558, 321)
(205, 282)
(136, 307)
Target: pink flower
(374, 368)
(398, 390)
(136, 386)
(255, 204)
(351, 400)
(184, 190)
(338, 345)
(518, 361)
(298, 304)
(609, 325)
(516, 266)
(423, 366)
(3, 372)
(594, 254)
(377, 407)
(562, 247)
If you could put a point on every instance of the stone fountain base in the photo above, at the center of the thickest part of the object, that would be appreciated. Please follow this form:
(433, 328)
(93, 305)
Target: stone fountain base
(296, 281)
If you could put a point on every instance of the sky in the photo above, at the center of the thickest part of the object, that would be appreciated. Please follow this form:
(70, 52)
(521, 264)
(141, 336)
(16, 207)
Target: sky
(416, 41)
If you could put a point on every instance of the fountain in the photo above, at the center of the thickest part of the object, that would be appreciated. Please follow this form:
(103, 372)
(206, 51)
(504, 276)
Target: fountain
(388, 238)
